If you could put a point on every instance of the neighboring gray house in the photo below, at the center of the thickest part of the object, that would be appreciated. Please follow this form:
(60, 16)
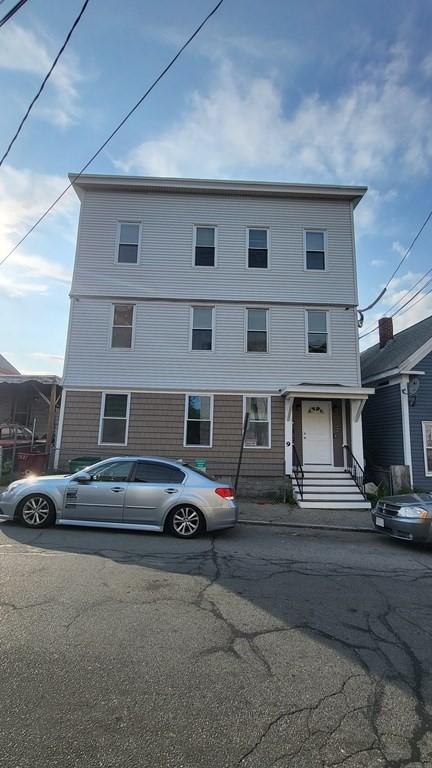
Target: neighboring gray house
(194, 302)
(397, 420)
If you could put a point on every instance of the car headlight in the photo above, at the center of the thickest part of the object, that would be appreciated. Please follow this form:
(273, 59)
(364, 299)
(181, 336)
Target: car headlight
(412, 512)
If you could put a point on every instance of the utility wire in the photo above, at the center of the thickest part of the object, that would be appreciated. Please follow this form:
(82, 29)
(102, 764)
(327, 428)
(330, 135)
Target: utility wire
(12, 12)
(69, 35)
(375, 328)
(417, 302)
(404, 297)
(120, 125)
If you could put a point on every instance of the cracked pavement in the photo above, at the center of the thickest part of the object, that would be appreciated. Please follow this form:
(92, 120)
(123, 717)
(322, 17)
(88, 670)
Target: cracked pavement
(253, 648)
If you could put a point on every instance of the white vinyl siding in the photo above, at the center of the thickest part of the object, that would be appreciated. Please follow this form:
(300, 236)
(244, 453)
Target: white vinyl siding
(122, 326)
(114, 418)
(128, 242)
(167, 271)
(198, 430)
(160, 358)
(259, 425)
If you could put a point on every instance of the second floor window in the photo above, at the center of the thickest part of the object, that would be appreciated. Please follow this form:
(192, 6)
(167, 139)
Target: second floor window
(315, 250)
(317, 331)
(122, 326)
(256, 330)
(128, 243)
(205, 247)
(202, 329)
(257, 257)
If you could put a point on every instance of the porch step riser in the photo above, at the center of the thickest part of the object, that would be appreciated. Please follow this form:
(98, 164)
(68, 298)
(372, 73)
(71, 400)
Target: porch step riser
(338, 481)
(333, 505)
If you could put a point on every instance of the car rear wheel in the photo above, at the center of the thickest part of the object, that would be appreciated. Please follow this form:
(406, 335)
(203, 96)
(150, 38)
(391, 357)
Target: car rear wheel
(36, 511)
(185, 522)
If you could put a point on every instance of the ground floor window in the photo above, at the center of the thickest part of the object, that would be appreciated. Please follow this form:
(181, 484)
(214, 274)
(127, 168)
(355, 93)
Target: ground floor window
(258, 431)
(114, 419)
(427, 446)
(198, 420)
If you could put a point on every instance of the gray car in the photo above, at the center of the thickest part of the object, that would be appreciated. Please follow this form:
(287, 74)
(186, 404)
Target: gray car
(138, 493)
(406, 517)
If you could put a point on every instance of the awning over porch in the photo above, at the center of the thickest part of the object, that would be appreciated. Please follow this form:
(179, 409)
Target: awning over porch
(327, 392)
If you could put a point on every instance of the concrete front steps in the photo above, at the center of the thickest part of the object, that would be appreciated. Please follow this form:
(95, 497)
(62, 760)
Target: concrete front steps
(329, 489)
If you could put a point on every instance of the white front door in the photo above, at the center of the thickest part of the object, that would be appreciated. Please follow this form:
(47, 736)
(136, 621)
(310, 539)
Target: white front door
(317, 432)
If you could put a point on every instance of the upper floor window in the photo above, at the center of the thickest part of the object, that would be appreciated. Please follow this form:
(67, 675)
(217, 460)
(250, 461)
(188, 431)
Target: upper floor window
(256, 333)
(317, 322)
(315, 251)
(128, 243)
(122, 326)
(198, 420)
(258, 248)
(205, 246)
(202, 329)
(114, 419)
(258, 430)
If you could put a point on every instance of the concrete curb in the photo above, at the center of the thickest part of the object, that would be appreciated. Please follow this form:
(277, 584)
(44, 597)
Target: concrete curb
(307, 525)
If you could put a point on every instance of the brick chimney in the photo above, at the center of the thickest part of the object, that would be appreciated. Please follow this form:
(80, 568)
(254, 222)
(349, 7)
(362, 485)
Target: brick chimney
(385, 328)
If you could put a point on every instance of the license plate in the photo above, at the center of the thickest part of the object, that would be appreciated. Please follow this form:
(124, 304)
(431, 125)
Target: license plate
(380, 522)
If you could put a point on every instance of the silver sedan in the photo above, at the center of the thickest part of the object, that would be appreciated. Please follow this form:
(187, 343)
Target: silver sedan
(138, 493)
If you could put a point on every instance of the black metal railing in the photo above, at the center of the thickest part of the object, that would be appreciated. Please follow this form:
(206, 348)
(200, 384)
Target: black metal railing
(355, 470)
(298, 471)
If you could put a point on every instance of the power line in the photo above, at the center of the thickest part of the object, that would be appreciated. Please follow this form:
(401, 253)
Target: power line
(372, 325)
(375, 328)
(12, 12)
(418, 301)
(44, 81)
(120, 125)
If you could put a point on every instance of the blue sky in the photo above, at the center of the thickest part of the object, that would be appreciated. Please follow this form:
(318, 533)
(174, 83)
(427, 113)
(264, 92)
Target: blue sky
(319, 91)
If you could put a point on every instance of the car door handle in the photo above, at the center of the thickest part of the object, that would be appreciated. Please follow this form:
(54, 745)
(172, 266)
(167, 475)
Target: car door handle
(117, 490)
(171, 490)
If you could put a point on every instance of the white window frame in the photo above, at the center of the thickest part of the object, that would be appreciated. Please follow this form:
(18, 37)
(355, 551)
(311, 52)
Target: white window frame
(246, 323)
(111, 328)
(186, 409)
(205, 226)
(328, 326)
(191, 329)
(428, 472)
(269, 422)
(102, 416)
(324, 233)
(118, 243)
(248, 230)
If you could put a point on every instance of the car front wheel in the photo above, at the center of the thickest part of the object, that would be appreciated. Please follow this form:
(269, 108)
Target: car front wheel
(36, 511)
(185, 522)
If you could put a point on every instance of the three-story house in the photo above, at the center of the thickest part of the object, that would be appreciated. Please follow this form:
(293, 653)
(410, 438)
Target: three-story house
(194, 302)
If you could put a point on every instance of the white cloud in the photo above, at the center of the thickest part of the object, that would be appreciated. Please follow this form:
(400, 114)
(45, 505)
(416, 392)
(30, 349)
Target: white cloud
(378, 262)
(47, 356)
(24, 196)
(242, 127)
(399, 248)
(21, 50)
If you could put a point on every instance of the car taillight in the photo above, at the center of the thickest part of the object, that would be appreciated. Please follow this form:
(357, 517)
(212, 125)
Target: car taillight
(226, 493)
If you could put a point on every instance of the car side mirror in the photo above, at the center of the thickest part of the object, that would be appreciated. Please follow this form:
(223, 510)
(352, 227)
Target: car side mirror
(83, 477)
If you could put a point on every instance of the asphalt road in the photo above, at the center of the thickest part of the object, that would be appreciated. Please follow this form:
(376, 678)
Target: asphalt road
(256, 648)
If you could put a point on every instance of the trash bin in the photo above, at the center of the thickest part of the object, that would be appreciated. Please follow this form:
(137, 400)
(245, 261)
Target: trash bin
(81, 462)
(28, 462)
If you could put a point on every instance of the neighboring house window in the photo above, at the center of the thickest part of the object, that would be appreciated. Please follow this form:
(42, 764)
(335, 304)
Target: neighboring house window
(122, 326)
(427, 446)
(256, 330)
(205, 247)
(315, 250)
(114, 420)
(258, 430)
(202, 329)
(128, 243)
(257, 257)
(198, 420)
(317, 331)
